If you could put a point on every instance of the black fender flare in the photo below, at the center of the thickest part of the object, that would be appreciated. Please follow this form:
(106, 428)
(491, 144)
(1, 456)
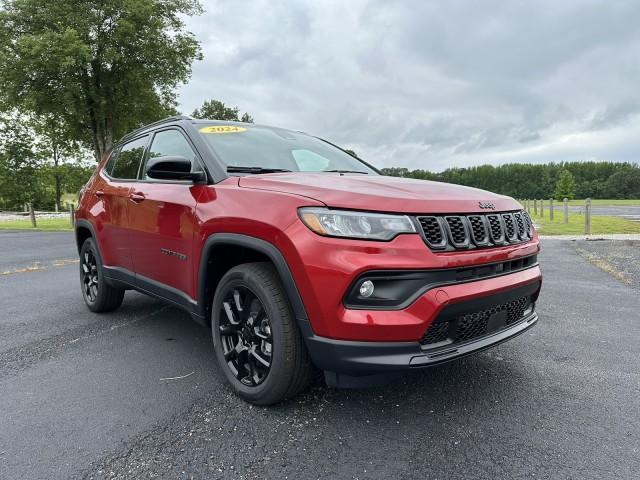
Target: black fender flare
(84, 224)
(264, 247)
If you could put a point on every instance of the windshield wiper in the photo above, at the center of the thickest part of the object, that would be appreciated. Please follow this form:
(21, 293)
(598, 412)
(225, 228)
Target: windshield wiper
(346, 171)
(239, 169)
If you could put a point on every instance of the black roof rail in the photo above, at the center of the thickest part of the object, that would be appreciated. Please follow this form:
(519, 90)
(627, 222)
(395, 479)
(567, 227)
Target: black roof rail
(173, 118)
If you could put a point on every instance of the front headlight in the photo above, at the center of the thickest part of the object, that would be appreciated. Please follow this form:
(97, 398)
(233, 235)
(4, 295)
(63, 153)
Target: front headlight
(365, 225)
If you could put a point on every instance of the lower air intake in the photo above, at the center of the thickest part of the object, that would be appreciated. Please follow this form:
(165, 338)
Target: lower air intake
(477, 324)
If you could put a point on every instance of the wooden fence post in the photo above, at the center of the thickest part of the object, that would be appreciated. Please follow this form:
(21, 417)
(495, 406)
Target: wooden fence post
(32, 214)
(587, 216)
(566, 210)
(541, 208)
(535, 207)
(551, 209)
(72, 214)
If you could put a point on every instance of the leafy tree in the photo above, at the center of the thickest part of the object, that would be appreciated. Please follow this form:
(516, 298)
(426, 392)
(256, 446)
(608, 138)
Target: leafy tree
(101, 68)
(565, 186)
(59, 148)
(37, 164)
(246, 118)
(351, 152)
(19, 163)
(72, 175)
(624, 183)
(398, 171)
(217, 110)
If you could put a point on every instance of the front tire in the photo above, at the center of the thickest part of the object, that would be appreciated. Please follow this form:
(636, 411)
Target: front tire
(97, 293)
(256, 339)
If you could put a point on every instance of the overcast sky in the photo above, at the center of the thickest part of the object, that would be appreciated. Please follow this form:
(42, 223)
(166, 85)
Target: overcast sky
(435, 84)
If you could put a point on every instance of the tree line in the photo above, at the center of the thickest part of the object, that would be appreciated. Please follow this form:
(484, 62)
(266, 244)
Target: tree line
(525, 180)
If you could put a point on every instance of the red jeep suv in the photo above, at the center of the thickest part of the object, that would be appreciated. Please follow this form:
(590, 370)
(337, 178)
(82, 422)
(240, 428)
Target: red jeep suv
(298, 254)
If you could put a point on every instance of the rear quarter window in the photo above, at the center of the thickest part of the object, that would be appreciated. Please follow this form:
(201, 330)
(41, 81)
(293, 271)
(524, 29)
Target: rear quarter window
(111, 162)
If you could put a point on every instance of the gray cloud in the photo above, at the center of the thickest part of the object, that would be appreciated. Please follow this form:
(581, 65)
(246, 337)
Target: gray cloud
(431, 84)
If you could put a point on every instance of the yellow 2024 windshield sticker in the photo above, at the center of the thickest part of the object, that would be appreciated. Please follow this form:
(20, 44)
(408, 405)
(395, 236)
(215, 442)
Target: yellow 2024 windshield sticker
(222, 129)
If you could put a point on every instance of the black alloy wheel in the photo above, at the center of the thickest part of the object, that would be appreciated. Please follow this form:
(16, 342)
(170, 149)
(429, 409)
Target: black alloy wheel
(256, 339)
(99, 295)
(90, 278)
(246, 337)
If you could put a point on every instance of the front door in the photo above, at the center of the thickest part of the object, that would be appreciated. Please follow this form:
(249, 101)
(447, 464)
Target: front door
(162, 221)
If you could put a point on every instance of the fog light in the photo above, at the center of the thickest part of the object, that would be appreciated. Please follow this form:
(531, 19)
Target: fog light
(366, 289)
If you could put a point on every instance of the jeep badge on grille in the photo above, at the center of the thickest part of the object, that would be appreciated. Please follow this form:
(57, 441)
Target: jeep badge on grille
(487, 205)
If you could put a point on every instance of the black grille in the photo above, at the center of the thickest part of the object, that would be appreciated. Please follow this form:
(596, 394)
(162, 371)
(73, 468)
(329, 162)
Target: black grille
(436, 334)
(471, 326)
(458, 231)
(450, 232)
(476, 324)
(510, 228)
(495, 225)
(478, 229)
(521, 226)
(432, 230)
(527, 219)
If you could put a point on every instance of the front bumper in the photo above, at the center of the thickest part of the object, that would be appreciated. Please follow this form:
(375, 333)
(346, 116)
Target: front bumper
(357, 363)
(325, 269)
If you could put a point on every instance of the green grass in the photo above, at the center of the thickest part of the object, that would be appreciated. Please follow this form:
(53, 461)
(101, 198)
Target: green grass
(599, 224)
(49, 224)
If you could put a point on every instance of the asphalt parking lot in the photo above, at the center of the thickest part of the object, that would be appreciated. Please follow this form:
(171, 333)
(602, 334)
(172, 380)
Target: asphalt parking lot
(87, 396)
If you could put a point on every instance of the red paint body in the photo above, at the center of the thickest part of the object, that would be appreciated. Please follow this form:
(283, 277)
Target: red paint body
(134, 220)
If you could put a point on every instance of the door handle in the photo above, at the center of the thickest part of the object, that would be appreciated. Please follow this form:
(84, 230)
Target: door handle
(137, 197)
(99, 193)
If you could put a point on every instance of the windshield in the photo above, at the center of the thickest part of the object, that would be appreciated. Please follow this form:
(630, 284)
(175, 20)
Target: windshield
(274, 148)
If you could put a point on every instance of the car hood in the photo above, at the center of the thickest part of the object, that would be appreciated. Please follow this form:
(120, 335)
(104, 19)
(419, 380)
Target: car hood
(381, 193)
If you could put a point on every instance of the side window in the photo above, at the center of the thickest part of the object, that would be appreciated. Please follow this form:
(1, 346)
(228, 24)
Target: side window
(111, 162)
(172, 143)
(128, 159)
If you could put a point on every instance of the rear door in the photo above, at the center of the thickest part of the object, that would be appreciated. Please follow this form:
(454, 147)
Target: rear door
(114, 190)
(162, 221)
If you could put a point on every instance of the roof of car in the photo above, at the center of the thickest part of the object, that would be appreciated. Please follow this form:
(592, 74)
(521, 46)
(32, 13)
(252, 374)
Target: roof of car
(178, 118)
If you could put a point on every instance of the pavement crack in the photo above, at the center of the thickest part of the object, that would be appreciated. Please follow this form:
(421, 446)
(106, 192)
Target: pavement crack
(17, 359)
(39, 266)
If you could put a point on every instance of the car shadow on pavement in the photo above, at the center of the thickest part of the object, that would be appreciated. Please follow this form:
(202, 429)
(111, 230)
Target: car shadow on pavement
(494, 373)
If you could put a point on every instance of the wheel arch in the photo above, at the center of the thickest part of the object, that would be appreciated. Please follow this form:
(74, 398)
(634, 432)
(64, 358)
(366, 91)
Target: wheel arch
(219, 250)
(84, 230)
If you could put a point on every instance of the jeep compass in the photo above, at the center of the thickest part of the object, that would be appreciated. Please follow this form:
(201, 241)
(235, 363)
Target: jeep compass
(300, 256)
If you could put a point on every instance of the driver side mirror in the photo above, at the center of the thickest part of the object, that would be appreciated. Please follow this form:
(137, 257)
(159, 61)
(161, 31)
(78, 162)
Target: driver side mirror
(172, 168)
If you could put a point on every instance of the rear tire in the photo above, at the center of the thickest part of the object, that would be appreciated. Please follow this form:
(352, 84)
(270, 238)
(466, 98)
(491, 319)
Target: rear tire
(252, 325)
(97, 293)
